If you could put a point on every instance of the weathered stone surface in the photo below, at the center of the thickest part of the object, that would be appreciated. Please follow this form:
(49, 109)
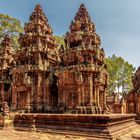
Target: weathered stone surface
(43, 79)
(133, 98)
(97, 126)
(6, 58)
(72, 80)
(83, 77)
(116, 104)
(33, 64)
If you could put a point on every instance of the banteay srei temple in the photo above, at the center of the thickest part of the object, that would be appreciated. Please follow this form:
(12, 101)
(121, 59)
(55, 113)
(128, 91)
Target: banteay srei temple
(45, 85)
(42, 78)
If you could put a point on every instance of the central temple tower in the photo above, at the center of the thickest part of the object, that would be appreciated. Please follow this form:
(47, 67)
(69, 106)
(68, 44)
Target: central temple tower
(83, 76)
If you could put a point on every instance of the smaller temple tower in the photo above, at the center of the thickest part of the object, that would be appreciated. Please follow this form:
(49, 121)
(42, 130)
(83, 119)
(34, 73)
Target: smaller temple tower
(34, 65)
(133, 98)
(82, 76)
(6, 58)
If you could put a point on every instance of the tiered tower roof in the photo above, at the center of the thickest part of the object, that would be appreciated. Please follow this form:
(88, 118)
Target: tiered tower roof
(82, 41)
(38, 45)
(82, 29)
(82, 14)
(82, 17)
(6, 52)
(38, 31)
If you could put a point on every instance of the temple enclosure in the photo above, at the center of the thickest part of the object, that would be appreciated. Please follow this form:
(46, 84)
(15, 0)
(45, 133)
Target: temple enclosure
(57, 88)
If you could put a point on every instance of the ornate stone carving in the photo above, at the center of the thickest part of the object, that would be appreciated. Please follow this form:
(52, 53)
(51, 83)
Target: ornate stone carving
(37, 54)
(133, 98)
(82, 44)
(45, 79)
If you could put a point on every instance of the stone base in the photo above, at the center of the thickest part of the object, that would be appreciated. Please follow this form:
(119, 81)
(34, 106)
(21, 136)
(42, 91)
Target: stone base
(138, 119)
(95, 126)
(87, 110)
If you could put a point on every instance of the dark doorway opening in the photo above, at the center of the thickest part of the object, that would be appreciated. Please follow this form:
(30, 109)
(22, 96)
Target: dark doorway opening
(54, 93)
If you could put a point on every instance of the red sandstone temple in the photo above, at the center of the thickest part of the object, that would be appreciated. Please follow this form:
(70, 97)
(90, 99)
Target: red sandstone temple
(116, 104)
(39, 77)
(133, 98)
(72, 80)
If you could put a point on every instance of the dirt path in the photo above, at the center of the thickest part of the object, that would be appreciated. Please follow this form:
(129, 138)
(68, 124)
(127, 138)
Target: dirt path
(22, 135)
(11, 134)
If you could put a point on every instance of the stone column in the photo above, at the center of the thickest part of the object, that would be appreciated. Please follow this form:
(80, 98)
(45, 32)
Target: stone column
(14, 98)
(91, 88)
(28, 101)
(39, 93)
(32, 95)
(47, 96)
(80, 91)
(44, 95)
(79, 94)
(104, 97)
(82, 96)
(18, 100)
(97, 94)
(65, 97)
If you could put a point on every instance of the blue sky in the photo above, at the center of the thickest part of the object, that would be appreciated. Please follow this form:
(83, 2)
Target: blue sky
(117, 21)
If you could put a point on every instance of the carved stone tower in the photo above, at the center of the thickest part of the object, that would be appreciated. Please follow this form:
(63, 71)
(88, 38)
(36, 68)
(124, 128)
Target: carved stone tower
(34, 64)
(133, 98)
(6, 58)
(83, 77)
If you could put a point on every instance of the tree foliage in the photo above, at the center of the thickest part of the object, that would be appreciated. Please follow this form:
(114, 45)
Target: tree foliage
(120, 74)
(10, 26)
(59, 39)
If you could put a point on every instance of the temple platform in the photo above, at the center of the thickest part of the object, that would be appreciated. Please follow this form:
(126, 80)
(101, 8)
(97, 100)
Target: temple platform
(138, 119)
(100, 126)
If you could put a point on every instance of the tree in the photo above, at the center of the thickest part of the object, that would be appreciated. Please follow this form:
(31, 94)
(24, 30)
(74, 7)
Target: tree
(10, 26)
(59, 39)
(120, 74)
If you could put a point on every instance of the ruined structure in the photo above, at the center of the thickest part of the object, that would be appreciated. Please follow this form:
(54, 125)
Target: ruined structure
(116, 104)
(34, 65)
(6, 58)
(133, 98)
(82, 77)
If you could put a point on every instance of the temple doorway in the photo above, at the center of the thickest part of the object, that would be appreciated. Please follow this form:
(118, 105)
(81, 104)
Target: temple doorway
(54, 93)
(22, 100)
(131, 108)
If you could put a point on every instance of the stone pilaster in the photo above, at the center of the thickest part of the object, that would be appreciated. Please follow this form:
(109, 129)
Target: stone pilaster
(97, 95)
(91, 88)
(14, 99)
(79, 94)
(28, 101)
